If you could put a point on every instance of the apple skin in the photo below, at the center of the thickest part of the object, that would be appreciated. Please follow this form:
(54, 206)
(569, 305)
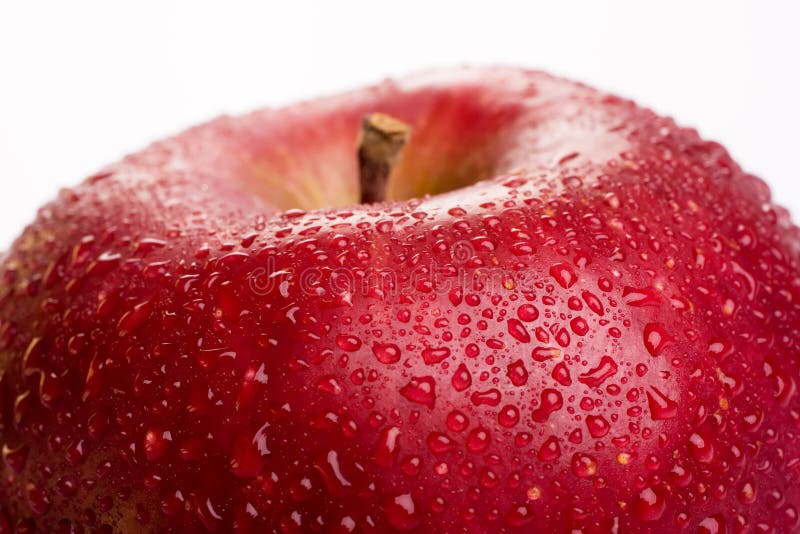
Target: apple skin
(602, 335)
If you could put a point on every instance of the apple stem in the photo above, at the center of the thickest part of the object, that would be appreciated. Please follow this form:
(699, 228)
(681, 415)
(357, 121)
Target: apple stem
(379, 146)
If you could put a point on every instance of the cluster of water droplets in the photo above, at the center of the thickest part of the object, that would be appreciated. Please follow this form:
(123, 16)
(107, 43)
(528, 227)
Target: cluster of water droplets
(542, 354)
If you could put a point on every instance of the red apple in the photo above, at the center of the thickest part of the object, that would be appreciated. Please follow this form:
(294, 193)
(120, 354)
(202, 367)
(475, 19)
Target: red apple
(571, 315)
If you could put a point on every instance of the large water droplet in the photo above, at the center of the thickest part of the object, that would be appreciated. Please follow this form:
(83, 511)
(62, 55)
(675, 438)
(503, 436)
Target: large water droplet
(583, 465)
(489, 397)
(661, 406)
(348, 343)
(432, 356)
(597, 375)
(720, 348)
(550, 450)
(528, 312)
(561, 374)
(38, 499)
(551, 401)
(508, 416)
(387, 353)
(457, 421)
(247, 459)
(519, 516)
(593, 302)
(156, 443)
(331, 470)
(387, 447)
(712, 525)
(462, 379)
(701, 448)
(439, 443)
(421, 390)
(401, 512)
(597, 425)
(518, 331)
(133, 319)
(650, 505)
(563, 274)
(579, 326)
(478, 440)
(543, 354)
(517, 373)
(747, 494)
(655, 338)
(643, 296)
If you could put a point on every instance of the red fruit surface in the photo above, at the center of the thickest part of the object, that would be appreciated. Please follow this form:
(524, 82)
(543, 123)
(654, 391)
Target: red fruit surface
(602, 334)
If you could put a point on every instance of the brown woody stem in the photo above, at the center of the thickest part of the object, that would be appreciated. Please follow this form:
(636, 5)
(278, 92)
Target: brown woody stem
(379, 147)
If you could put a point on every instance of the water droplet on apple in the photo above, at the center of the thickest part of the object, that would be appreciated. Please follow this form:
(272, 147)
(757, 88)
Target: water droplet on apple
(661, 406)
(156, 443)
(462, 379)
(472, 350)
(440, 443)
(38, 499)
(563, 274)
(508, 416)
(401, 512)
(655, 338)
(387, 353)
(411, 465)
(561, 374)
(643, 296)
(650, 504)
(597, 375)
(519, 516)
(16, 457)
(583, 465)
(489, 397)
(747, 493)
(550, 450)
(527, 313)
(420, 390)
(593, 302)
(597, 425)
(432, 356)
(712, 525)
(333, 472)
(478, 440)
(550, 401)
(134, 318)
(701, 448)
(543, 354)
(579, 326)
(517, 373)
(347, 342)
(518, 331)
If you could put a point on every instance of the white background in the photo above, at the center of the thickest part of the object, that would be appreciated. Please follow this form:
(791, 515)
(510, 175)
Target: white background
(84, 82)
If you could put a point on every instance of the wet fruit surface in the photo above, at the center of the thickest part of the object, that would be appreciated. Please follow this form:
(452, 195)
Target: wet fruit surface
(603, 338)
